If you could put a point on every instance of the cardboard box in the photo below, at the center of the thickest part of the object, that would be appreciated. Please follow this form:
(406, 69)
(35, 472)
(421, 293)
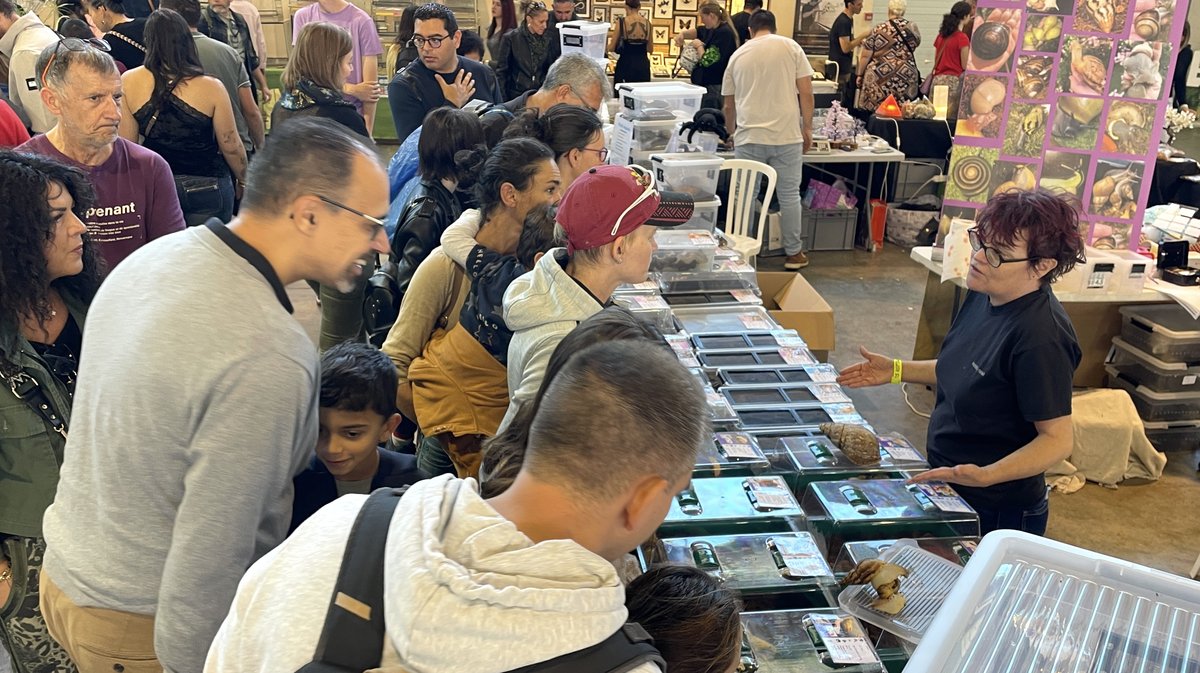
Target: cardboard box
(794, 304)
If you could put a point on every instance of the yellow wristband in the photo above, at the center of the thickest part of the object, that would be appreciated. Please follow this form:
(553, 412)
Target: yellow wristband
(897, 370)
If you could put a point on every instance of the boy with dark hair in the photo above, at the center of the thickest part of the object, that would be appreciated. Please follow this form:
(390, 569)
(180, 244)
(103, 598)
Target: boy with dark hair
(358, 413)
(741, 20)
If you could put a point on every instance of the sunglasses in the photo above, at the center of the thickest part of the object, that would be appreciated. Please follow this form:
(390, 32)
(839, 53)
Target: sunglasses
(370, 218)
(650, 190)
(73, 44)
(992, 255)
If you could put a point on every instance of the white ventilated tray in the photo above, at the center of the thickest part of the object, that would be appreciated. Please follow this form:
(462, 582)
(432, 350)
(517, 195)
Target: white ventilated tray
(1025, 604)
(929, 580)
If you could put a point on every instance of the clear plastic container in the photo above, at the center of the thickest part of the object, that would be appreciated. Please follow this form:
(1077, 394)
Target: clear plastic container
(649, 306)
(726, 275)
(810, 458)
(790, 641)
(1151, 405)
(755, 420)
(730, 454)
(737, 297)
(821, 373)
(1177, 436)
(682, 345)
(1028, 603)
(652, 135)
(1146, 370)
(683, 251)
(733, 505)
(930, 578)
(757, 358)
(725, 320)
(704, 216)
(954, 549)
(749, 340)
(693, 173)
(641, 100)
(584, 37)
(788, 395)
(1165, 331)
(718, 407)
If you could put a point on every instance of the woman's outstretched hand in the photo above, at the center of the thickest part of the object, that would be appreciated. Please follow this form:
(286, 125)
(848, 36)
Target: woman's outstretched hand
(876, 370)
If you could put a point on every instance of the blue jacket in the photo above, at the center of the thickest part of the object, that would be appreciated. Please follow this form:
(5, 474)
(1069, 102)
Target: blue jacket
(315, 487)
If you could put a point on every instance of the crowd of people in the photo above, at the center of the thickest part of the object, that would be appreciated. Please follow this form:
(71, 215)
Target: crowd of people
(171, 496)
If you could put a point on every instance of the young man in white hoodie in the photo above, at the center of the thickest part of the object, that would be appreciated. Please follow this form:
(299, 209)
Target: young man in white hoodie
(607, 218)
(488, 586)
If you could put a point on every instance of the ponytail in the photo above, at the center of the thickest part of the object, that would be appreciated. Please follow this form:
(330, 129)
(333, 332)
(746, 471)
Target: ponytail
(717, 9)
(952, 21)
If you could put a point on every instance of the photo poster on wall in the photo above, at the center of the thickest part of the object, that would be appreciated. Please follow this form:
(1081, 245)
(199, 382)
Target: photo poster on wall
(1069, 97)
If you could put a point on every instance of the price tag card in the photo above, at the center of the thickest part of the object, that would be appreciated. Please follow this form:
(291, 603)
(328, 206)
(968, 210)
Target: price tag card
(788, 338)
(647, 301)
(801, 556)
(701, 239)
(753, 321)
(944, 497)
(736, 444)
(745, 296)
(643, 286)
(822, 373)
(683, 350)
(899, 449)
(844, 641)
(830, 393)
(769, 493)
(797, 356)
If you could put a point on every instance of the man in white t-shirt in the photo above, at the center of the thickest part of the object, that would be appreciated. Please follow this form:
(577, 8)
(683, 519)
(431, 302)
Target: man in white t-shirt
(768, 90)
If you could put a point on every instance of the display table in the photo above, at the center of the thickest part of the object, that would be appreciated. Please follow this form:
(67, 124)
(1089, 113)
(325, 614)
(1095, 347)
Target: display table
(917, 138)
(837, 163)
(1095, 317)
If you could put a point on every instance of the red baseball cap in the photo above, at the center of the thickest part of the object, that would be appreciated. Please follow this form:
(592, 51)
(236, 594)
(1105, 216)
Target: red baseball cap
(611, 201)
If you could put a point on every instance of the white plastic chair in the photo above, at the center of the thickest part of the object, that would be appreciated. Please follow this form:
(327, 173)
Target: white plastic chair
(744, 176)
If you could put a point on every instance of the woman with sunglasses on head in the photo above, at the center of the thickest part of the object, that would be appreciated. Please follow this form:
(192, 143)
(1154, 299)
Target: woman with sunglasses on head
(50, 271)
(187, 118)
(1003, 377)
(522, 58)
(575, 133)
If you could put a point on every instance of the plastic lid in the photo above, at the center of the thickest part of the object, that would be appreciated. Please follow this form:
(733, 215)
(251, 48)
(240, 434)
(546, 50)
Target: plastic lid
(1027, 603)
(685, 238)
(689, 158)
(930, 578)
(1169, 319)
(1184, 397)
(725, 319)
(779, 562)
(1149, 360)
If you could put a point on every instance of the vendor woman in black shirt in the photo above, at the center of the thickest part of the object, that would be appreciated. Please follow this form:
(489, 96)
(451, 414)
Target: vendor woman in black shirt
(1003, 377)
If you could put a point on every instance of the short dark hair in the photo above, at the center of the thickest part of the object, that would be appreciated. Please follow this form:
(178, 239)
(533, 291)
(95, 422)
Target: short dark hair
(445, 132)
(563, 127)
(762, 20)
(633, 4)
(1048, 222)
(635, 388)
(514, 161)
(694, 619)
(752, 4)
(76, 28)
(433, 10)
(188, 9)
(304, 155)
(7, 8)
(470, 42)
(358, 377)
(114, 6)
(537, 234)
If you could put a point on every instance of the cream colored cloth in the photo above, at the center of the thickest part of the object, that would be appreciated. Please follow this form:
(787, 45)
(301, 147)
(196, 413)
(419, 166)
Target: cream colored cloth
(1110, 443)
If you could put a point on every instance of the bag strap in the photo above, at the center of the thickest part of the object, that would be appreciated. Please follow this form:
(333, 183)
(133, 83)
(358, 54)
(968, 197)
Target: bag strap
(124, 38)
(900, 33)
(354, 632)
(154, 118)
(28, 390)
(621, 652)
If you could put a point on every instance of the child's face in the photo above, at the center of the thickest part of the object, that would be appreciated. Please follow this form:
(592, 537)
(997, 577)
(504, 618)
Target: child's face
(348, 442)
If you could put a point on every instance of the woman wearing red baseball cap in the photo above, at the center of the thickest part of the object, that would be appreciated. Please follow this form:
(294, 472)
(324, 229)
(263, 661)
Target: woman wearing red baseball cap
(608, 218)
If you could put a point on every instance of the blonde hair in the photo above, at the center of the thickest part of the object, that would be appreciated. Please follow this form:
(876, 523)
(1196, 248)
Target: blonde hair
(317, 56)
(897, 7)
(713, 8)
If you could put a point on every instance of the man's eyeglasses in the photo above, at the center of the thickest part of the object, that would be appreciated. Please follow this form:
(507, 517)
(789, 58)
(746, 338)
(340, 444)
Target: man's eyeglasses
(420, 41)
(73, 44)
(992, 255)
(370, 218)
(647, 179)
(603, 152)
(581, 99)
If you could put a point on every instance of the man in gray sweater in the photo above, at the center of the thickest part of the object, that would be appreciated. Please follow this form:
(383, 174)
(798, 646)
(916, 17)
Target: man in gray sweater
(196, 405)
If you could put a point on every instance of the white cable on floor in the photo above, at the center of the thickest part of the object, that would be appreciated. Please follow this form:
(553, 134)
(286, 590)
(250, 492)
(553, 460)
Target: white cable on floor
(904, 389)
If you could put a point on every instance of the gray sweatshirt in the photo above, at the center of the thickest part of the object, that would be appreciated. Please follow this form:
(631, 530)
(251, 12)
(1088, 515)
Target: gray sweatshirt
(196, 405)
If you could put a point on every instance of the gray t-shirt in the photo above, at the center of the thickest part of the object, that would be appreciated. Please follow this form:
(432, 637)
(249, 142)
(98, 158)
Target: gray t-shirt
(359, 487)
(222, 62)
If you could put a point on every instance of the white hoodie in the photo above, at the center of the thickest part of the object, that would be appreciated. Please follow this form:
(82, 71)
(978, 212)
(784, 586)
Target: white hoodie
(465, 591)
(541, 307)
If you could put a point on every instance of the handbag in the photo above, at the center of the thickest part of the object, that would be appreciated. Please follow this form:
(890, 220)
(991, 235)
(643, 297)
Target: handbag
(912, 56)
(689, 58)
(926, 85)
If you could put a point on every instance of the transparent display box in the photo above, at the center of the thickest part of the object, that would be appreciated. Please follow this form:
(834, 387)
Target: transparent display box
(704, 216)
(761, 566)
(719, 409)
(1146, 370)
(725, 320)
(640, 101)
(584, 37)
(797, 419)
(954, 549)
(822, 373)
(1165, 331)
(873, 509)
(730, 454)
(749, 340)
(713, 298)
(693, 173)
(649, 306)
(787, 395)
(806, 641)
(683, 251)
(733, 505)
(805, 459)
(727, 276)
(757, 358)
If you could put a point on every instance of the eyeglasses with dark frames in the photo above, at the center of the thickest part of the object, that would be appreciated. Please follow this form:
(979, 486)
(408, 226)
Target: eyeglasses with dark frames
(419, 41)
(73, 44)
(603, 152)
(992, 255)
(370, 218)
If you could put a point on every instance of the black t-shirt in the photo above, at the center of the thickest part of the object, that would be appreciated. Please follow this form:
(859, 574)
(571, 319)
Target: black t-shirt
(414, 92)
(1001, 369)
(741, 22)
(127, 43)
(720, 42)
(843, 26)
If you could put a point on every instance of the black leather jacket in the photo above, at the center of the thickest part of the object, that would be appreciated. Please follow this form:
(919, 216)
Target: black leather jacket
(515, 63)
(420, 228)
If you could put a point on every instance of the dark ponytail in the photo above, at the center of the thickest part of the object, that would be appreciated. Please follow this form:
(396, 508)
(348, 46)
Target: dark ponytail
(952, 21)
(562, 128)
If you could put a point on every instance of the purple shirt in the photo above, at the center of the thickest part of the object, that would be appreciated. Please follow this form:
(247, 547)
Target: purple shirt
(362, 34)
(135, 197)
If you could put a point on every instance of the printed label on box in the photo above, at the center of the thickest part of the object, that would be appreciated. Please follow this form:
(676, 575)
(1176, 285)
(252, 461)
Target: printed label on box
(788, 338)
(845, 644)
(898, 450)
(647, 301)
(701, 239)
(797, 356)
(822, 373)
(745, 296)
(736, 445)
(801, 556)
(755, 321)
(1189, 380)
(829, 393)
(944, 497)
(770, 493)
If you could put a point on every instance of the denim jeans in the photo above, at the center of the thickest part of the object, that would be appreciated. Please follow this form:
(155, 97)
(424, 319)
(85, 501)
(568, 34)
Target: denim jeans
(787, 160)
(1031, 520)
(200, 207)
(432, 458)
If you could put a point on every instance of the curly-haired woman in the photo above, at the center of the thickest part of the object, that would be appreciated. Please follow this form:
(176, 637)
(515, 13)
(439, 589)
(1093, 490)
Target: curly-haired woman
(49, 270)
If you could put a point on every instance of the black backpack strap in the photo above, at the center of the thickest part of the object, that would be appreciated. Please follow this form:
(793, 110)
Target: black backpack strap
(621, 652)
(353, 636)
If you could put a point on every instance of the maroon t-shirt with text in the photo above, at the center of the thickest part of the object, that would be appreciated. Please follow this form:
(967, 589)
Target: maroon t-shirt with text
(135, 197)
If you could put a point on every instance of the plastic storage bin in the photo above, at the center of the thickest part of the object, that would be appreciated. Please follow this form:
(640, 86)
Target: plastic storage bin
(1028, 603)
(756, 358)
(683, 251)
(704, 216)
(805, 459)
(791, 641)
(639, 100)
(929, 580)
(648, 135)
(725, 320)
(1146, 370)
(730, 454)
(584, 37)
(1177, 436)
(758, 565)
(829, 229)
(748, 341)
(1156, 406)
(725, 275)
(821, 373)
(733, 505)
(1165, 331)
(693, 173)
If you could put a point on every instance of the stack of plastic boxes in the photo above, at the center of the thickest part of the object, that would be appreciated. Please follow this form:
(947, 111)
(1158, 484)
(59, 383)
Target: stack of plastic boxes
(649, 114)
(585, 37)
(774, 509)
(1157, 361)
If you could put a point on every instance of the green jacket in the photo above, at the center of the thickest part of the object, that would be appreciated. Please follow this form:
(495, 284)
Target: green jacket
(30, 451)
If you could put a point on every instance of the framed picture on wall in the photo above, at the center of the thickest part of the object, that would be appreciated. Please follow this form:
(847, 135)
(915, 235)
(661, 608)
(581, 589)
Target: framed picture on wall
(599, 14)
(660, 34)
(616, 13)
(689, 6)
(663, 9)
(672, 51)
(683, 23)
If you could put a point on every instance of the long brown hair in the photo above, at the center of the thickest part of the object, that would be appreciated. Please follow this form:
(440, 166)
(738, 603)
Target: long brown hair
(318, 55)
(712, 8)
(695, 622)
